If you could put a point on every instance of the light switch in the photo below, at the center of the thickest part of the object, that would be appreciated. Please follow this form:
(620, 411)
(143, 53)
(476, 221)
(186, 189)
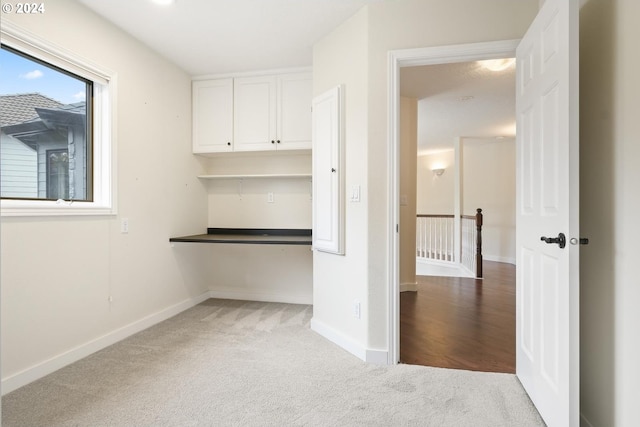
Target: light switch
(355, 193)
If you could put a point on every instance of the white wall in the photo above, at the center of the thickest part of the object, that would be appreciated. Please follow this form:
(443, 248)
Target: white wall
(436, 194)
(410, 24)
(609, 207)
(58, 273)
(489, 183)
(408, 171)
(242, 203)
(356, 54)
(341, 58)
(258, 272)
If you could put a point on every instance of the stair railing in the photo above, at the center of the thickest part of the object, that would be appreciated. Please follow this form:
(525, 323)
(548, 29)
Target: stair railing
(435, 239)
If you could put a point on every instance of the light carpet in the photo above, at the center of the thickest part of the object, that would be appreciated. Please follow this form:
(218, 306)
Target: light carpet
(238, 363)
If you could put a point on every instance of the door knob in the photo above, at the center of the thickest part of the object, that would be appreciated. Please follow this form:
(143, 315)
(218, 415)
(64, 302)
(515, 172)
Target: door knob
(561, 240)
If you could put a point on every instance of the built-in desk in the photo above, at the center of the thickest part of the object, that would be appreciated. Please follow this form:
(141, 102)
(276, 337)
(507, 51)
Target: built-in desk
(254, 236)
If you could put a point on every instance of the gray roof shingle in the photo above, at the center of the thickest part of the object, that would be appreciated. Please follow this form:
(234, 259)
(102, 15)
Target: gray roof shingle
(15, 109)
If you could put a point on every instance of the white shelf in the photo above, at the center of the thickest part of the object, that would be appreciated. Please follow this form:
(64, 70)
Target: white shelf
(257, 176)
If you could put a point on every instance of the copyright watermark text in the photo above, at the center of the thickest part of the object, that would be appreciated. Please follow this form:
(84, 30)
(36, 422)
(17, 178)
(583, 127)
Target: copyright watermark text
(23, 8)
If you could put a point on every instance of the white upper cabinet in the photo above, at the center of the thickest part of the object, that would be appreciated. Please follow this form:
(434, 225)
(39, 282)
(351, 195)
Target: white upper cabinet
(212, 116)
(294, 111)
(260, 113)
(254, 112)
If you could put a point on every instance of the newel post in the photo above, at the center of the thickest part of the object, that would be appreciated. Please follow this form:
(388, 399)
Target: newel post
(479, 243)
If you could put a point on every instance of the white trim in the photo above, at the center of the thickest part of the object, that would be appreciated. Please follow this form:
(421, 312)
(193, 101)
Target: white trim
(408, 287)
(251, 295)
(497, 258)
(46, 367)
(408, 58)
(104, 141)
(338, 338)
(378, 357)
(428, 267)
(29, 43)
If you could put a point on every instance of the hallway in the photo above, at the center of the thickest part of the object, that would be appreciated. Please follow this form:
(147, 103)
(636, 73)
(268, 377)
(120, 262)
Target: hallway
(461, 323)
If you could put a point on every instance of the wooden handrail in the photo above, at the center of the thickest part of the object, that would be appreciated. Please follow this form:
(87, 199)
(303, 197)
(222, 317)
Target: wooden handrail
(479, 218)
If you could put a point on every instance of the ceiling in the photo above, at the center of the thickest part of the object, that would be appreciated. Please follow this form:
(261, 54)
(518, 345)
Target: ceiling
(227, 36)
(460, 100)
(215, 37)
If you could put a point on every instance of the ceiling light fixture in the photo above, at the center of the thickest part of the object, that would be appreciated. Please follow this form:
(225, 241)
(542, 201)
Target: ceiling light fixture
(498, 64)
(438, 172)
(164, 2)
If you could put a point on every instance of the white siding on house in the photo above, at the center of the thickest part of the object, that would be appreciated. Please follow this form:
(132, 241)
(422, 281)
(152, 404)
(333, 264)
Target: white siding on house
(18, 168)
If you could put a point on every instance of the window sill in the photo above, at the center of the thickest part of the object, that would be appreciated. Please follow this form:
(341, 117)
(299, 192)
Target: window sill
(13, 208)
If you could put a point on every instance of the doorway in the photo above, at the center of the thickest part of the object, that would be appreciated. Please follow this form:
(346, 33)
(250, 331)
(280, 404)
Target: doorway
(463, 117)
(411, 58)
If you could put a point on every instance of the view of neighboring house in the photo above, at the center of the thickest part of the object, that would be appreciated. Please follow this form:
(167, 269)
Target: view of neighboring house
(43, 149)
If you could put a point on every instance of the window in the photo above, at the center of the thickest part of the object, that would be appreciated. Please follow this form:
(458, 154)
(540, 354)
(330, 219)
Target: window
(44, 108)
(55, 139)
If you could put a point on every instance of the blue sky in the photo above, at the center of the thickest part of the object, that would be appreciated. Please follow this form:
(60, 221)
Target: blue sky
(20, 75)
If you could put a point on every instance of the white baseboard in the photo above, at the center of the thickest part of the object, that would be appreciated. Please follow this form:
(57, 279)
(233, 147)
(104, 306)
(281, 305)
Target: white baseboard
(260, 296)
(408, 287)
(378, 357)
(497, 258)
(51, 365)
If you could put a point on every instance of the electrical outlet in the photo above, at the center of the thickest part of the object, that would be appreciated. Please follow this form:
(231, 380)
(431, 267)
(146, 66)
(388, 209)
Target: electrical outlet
(356, 309)
(124, 225)
(270, 197)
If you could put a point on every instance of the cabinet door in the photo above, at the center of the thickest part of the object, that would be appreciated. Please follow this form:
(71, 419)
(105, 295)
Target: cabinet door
(328, 173)
(254, 113)
(294, 111)
(212, 115)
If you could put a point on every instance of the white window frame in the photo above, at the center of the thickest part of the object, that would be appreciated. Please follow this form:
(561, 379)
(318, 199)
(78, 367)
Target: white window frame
(104, 141)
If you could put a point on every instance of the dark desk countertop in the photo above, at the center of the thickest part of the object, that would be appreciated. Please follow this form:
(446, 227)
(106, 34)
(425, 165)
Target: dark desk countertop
(269, 236)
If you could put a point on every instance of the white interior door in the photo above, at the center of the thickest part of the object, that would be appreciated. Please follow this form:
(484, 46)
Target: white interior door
(547, 336)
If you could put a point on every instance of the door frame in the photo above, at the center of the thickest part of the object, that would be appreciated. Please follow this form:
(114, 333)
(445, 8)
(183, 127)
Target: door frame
(398, 59)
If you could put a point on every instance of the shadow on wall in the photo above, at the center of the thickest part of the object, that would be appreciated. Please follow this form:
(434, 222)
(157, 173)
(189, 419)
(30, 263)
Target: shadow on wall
(597, 190)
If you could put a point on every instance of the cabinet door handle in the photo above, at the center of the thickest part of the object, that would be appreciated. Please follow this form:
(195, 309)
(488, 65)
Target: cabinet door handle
(278, 141)
(228, 143)
(272, 141)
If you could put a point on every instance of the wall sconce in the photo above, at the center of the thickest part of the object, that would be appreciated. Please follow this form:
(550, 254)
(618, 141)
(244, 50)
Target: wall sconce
(438, 172)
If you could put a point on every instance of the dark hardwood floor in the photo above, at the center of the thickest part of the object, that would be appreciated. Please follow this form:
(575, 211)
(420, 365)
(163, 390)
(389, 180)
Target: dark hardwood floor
(461, 323)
